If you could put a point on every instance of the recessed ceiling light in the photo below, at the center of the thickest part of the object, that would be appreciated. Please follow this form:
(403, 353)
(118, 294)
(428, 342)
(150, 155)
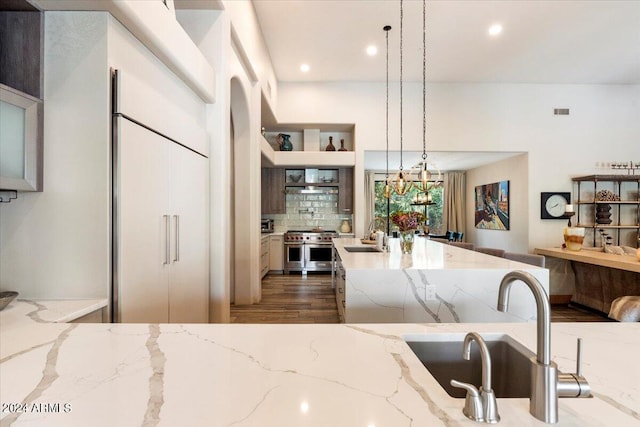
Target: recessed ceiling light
(495, 30)
(372, 50)
(305, 68)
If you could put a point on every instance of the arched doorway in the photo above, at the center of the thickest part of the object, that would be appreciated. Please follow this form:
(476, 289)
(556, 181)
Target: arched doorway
(243, 278)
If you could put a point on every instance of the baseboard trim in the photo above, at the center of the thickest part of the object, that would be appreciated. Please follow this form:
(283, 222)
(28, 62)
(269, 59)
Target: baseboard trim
(559, 299)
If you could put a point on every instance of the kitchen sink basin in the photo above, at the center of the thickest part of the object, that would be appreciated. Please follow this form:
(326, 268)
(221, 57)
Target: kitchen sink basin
(441, 354)
(361, 249)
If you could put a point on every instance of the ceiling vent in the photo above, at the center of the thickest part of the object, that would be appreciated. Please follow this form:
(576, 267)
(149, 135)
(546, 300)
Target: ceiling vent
(560, 111)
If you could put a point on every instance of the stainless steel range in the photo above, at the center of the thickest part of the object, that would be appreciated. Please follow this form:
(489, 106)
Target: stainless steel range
(307, 250)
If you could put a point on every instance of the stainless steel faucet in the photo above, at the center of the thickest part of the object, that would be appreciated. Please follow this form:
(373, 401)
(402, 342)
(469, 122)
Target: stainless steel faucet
(546, 384)
(480, 404)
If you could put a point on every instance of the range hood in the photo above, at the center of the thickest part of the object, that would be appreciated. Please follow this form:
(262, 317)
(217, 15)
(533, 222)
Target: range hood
(310, 189)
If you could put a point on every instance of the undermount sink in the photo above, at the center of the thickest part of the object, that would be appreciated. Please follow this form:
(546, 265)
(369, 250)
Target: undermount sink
(361, 249)
(441, 354)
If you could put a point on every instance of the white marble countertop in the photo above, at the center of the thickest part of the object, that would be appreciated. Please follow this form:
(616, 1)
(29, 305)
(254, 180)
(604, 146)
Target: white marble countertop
(24, 312)
(284, 375)
(435, 283)
(427, 255)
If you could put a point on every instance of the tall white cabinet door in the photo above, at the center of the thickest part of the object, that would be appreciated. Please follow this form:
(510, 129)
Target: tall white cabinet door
(143, 203)
(189, 282)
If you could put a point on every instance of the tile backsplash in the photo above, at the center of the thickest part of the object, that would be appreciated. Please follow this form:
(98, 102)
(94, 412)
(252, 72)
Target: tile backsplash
(306, 211)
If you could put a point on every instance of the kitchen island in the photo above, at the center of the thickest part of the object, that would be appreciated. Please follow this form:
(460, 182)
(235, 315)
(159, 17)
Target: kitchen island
(284, 375)
(600, 277)
(436, 283)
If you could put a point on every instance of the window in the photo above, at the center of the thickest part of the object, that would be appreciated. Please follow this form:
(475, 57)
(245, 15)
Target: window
(403, 203)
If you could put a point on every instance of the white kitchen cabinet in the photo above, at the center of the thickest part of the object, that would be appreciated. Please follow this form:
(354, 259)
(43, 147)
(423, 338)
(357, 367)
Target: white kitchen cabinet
(189, 278)
(264, 256)
(163, 228)
(276, 253)
(339, 289)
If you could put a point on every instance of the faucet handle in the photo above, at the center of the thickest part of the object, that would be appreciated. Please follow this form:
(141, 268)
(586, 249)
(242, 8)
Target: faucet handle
(472, 403)
(579, 357)
(574, 385)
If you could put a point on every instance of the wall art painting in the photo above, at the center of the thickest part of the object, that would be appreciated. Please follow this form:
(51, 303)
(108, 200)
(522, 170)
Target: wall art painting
(492, 206)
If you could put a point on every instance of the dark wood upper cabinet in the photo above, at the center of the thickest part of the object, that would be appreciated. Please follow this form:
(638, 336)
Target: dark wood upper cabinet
(21, 51)
(273, 186)
(345, 191)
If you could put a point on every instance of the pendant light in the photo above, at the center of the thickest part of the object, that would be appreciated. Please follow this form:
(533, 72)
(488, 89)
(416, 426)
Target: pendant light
(424, 175)
(402, 181)
(387, 181)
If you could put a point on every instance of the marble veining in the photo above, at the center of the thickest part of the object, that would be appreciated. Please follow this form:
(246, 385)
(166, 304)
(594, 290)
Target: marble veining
(35, 315)
(253, 410)
(288, 375)
(433, 407)
(421, 301)
(49, 375)
(156, 380)
(21, 312)
(437, 283)
(620, 407)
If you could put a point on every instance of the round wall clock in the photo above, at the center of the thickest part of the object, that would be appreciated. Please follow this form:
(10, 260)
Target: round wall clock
(553, 205)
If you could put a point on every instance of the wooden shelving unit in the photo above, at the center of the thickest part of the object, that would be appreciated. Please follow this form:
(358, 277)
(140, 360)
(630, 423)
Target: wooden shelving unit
(625, 212)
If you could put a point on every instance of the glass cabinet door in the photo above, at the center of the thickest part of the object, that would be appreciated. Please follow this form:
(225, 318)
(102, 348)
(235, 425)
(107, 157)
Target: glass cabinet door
(20, 141)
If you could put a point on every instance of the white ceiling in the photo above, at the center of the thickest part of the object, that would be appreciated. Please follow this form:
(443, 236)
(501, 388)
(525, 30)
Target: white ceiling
(445, 161)
(543, 41)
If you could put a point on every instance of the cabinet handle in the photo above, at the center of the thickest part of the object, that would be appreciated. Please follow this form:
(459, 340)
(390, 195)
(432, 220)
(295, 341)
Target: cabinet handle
(177, 219)
(167, 239)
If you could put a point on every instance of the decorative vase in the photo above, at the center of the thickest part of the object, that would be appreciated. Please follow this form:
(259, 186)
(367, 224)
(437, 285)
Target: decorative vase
(406, 241)
(573, 238)
(345, 227)
(603, 214)
(342, 146)
(286, 143)
(330, 147)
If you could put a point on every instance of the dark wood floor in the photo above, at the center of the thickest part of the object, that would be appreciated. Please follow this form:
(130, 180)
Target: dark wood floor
(310, 299)
(291, 298)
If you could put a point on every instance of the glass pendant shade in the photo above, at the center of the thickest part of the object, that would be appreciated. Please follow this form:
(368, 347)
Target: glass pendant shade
(423, 198)
(425, 180)
(402, 183)
(387, 188)
(423, 177)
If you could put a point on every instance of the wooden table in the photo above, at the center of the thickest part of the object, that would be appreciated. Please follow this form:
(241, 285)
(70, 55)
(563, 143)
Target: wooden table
(600, 277)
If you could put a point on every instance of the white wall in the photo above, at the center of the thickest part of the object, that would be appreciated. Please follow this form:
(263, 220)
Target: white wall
(516, 171)
(211, 32)
(55, 244)
(604, 125)
(244, 21)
